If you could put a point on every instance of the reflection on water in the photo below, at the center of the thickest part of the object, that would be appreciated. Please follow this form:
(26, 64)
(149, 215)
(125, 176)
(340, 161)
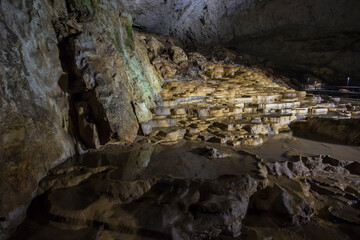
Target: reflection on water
(128, 164)
(136, 163)
(140, 193)
(179, 160)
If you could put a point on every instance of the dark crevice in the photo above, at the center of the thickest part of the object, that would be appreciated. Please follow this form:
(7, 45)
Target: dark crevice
(139, 28)
(99, 116)
(88, 123)
(68, 83)
(140, 132)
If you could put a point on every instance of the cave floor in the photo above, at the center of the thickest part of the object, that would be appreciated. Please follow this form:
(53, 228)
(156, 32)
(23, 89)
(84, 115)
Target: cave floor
(285, 188)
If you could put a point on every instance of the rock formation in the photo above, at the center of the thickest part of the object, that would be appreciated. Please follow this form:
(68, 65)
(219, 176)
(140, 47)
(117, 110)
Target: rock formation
(298, 198)
(342, 130)
(229, 103)
(34, 116)
(74, 76)
(303, 36)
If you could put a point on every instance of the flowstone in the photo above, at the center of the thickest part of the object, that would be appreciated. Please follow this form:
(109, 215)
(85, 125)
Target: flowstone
(237, 104)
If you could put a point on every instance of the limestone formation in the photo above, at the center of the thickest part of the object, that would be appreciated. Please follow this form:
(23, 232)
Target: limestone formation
(74, 76)
(34, 117)
(319, 37)
(301, 198)
(163, 212)
(116, 60)
(341, 130)
(229, 103)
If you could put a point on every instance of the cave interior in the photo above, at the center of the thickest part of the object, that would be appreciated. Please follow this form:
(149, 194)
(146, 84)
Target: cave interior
(179, 119)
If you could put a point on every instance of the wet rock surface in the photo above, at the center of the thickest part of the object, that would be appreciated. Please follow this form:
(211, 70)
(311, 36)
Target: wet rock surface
(214, 153)
(75, 76)
(105, 193)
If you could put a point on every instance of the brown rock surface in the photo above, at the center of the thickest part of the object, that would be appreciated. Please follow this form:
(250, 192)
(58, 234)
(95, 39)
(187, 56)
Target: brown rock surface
(33, 110)
(71, 73)
(75, 74)
(341, 130)
(125, 191)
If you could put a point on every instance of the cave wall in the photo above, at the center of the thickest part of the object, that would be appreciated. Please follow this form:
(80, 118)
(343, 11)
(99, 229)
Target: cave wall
(116, 82)
(318, 37)
(74, 75)
(67, 67)
(202, 21)
(34, 110)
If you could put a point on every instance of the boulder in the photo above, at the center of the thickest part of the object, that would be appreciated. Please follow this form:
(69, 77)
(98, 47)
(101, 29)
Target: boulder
(178, 55)
(214, 153)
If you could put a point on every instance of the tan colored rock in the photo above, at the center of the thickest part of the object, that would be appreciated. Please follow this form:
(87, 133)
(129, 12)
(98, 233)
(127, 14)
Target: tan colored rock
(216, 139)
(178, 55)
(171, 136)
(258, 129)
(155, 47)
(230, 71)
(167, 71)
(143, 113)
(34, 111)
(319, 111)
(198, 58)
(252, 141)
(168, 122)
(238, 98)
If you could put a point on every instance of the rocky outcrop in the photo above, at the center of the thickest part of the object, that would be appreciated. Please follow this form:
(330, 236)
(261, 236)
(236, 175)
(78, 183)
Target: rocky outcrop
(185, 212)
(224, 102)
(34, 110)
(161, 206)
(230, 105)
(306, 190)
(73, 76)
(340, 130)
(298, 198)
(115, 82)
(302, 36)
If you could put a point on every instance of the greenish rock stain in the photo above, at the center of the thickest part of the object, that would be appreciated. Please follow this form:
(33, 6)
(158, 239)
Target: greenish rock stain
(138, 77)
(130, 35)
